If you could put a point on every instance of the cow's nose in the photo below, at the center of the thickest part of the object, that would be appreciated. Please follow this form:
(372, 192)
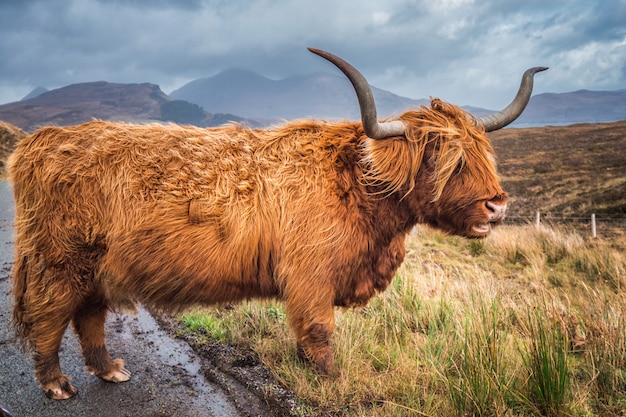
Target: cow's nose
(495, 211)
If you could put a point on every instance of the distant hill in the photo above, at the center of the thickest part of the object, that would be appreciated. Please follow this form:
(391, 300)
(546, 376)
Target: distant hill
(247, 97)
(581, 106)
(323, 95)
(37, 91)
(318, 95)
(79, 103)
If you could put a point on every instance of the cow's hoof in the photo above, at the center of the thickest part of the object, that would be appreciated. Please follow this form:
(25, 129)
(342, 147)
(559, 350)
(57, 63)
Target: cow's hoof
(4, 411)
(117, 374)
(324, 362)
(328, 368)
(60, 389)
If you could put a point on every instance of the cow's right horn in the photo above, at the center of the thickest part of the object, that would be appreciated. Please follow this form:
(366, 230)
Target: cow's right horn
(512, 111)
(372, 127)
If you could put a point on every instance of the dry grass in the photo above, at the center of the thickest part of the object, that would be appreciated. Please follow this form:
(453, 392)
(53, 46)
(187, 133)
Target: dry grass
(528, 322)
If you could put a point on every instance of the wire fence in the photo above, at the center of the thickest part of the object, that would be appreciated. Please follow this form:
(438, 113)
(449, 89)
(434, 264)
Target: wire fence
(591, 226)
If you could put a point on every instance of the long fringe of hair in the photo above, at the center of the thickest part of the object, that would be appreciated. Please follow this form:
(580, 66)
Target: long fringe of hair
(392, 164)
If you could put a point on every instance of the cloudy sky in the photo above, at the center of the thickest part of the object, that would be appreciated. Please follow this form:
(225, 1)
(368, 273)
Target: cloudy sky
(470, 52)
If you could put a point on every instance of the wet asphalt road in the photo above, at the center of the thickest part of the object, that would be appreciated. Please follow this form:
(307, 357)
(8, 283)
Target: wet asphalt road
(166, 377)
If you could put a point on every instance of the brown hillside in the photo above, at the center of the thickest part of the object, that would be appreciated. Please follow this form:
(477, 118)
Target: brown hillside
(79, 103)
(9, 136)
(571, 170)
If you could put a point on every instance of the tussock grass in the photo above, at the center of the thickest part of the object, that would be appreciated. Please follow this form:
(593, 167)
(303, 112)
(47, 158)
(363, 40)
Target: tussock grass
(531, 321)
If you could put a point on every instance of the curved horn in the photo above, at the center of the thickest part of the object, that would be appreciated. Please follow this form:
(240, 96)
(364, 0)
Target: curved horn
(372, 127)
(512, 111)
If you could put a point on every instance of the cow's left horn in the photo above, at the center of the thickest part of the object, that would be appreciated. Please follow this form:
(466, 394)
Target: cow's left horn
(512, 111)
(373, 128)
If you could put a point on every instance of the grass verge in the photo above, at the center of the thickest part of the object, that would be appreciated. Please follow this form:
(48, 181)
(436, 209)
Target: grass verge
(528, 322)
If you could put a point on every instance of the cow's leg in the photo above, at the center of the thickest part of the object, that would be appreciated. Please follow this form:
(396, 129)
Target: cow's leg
(52, 381)
(312, 319)
(43, 310)
(89, 325)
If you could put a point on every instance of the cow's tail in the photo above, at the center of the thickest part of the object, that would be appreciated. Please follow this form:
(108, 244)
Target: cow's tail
(20, 283)
(22, 178)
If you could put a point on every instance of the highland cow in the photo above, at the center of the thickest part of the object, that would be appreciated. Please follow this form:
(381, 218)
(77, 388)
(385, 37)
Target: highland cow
(313, 213)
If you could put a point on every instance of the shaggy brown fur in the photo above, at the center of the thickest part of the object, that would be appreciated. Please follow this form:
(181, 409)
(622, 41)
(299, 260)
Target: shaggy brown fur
(313, 213)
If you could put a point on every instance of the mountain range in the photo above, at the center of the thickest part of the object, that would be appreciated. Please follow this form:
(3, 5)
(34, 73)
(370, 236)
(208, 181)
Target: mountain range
(79, 103)
(318, 95)
(247, 97)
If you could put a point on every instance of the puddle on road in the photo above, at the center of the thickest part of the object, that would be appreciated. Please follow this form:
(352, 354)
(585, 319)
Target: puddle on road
(178, 355)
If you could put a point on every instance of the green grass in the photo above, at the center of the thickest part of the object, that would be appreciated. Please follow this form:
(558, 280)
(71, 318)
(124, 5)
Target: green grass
(546, 359)
(531, 321)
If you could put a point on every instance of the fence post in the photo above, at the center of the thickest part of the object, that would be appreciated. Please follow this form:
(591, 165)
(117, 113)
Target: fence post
(593, 225)
(538, 219)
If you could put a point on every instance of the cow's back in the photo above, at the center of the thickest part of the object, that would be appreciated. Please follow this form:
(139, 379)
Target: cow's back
(175, 214)
(74, 185)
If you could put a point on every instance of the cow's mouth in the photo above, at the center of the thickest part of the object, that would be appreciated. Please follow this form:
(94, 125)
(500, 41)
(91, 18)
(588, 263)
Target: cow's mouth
(482, 229)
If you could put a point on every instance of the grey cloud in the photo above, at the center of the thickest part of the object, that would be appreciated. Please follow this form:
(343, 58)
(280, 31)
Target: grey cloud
(457, 49)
